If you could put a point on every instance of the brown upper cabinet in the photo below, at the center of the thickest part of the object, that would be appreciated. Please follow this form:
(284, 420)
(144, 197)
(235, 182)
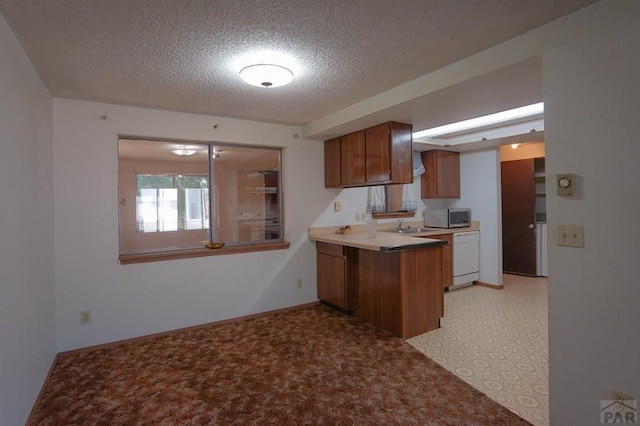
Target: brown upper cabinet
(332, 167)
(379, 155)
(442, 176)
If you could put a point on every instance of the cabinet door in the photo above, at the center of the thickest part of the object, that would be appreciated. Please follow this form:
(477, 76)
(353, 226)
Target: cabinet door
(332, 168)
(442, 176)
(352, 152)
(401, 153)
(448, 174)
(378, 154)
(331, 275)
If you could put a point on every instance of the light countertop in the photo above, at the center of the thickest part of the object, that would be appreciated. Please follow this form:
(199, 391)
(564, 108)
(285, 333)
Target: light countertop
(384, 241)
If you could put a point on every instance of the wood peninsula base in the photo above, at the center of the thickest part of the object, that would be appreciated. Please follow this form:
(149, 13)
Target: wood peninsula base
(401, 292)
(398, 288)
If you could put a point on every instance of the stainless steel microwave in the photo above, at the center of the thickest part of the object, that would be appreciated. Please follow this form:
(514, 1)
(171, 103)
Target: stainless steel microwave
(447, 218)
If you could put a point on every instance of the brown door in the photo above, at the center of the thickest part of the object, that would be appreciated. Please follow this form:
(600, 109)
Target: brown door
(518, 217)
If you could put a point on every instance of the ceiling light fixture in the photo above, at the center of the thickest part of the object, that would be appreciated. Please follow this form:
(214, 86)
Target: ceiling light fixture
(484, 121)
(184, 150)
(266, 75)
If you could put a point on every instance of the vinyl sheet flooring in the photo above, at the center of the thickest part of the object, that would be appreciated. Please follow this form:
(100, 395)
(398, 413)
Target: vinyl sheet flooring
(496, 340)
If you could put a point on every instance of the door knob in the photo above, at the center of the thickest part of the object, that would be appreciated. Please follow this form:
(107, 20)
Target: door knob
(531, 226)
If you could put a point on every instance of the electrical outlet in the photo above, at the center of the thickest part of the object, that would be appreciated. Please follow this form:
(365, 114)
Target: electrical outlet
(337, 206)
(571, 235)
(299, 283)
(85, 317)
(359, 216)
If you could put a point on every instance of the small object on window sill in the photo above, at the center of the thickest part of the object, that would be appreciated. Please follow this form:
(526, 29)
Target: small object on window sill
(345, 229)
(214, 245)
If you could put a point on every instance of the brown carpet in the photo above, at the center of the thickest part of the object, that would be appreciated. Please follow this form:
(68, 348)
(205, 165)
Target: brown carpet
(306, 366)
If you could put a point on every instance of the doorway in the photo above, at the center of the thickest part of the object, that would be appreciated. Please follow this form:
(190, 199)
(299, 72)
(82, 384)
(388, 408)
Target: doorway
(523, 209)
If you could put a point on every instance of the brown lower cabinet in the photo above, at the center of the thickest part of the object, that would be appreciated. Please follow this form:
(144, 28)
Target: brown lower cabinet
(401, 292)
(335, 279)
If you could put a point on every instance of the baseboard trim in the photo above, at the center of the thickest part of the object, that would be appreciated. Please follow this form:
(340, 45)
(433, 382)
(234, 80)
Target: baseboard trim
(493, 286)
(39, 397)
(180, 330)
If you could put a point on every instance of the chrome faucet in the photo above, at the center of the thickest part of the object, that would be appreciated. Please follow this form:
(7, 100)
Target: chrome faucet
(399, 224)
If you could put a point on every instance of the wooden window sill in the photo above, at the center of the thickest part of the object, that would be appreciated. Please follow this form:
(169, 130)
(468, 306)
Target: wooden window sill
(392, 215)
(126, 259)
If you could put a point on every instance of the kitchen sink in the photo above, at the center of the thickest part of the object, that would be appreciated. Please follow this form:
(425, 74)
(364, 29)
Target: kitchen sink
(412, 230)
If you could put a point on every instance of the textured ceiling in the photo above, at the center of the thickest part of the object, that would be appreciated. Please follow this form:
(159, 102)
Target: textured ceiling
(184, 55)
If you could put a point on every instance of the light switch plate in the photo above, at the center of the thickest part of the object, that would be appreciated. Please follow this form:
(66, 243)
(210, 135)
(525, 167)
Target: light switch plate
(571, 236)
(337, 206)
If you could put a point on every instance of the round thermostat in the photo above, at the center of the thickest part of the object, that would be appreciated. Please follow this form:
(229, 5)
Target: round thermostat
(564, 182)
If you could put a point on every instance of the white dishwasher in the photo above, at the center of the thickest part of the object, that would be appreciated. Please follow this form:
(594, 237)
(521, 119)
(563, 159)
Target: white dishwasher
(465, 258)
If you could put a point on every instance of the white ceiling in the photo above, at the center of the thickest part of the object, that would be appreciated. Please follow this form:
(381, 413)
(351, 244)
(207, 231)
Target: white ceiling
(185, 55)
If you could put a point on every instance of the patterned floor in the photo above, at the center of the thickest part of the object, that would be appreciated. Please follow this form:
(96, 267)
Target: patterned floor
(306, 366)
(496, 340)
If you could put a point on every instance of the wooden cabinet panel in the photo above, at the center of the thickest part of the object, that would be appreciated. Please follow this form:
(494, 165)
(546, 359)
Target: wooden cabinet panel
(335, 250)
(423, 293)
(378, 155)
(447, 258)
(332, 275)
(378, 147)
(401, 292)
(352, 152)
(378, 298)
(447, 265)
(402, 152)
(332, 167)
(442, 176)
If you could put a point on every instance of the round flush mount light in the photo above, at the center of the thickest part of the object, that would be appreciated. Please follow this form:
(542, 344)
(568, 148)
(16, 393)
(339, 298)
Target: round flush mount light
(266, 75)
(184, 150)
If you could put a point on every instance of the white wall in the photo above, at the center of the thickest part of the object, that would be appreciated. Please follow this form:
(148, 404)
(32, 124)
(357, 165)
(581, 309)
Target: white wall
(27, 303)
(480, 191)
(138, 299)
(592, 129)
